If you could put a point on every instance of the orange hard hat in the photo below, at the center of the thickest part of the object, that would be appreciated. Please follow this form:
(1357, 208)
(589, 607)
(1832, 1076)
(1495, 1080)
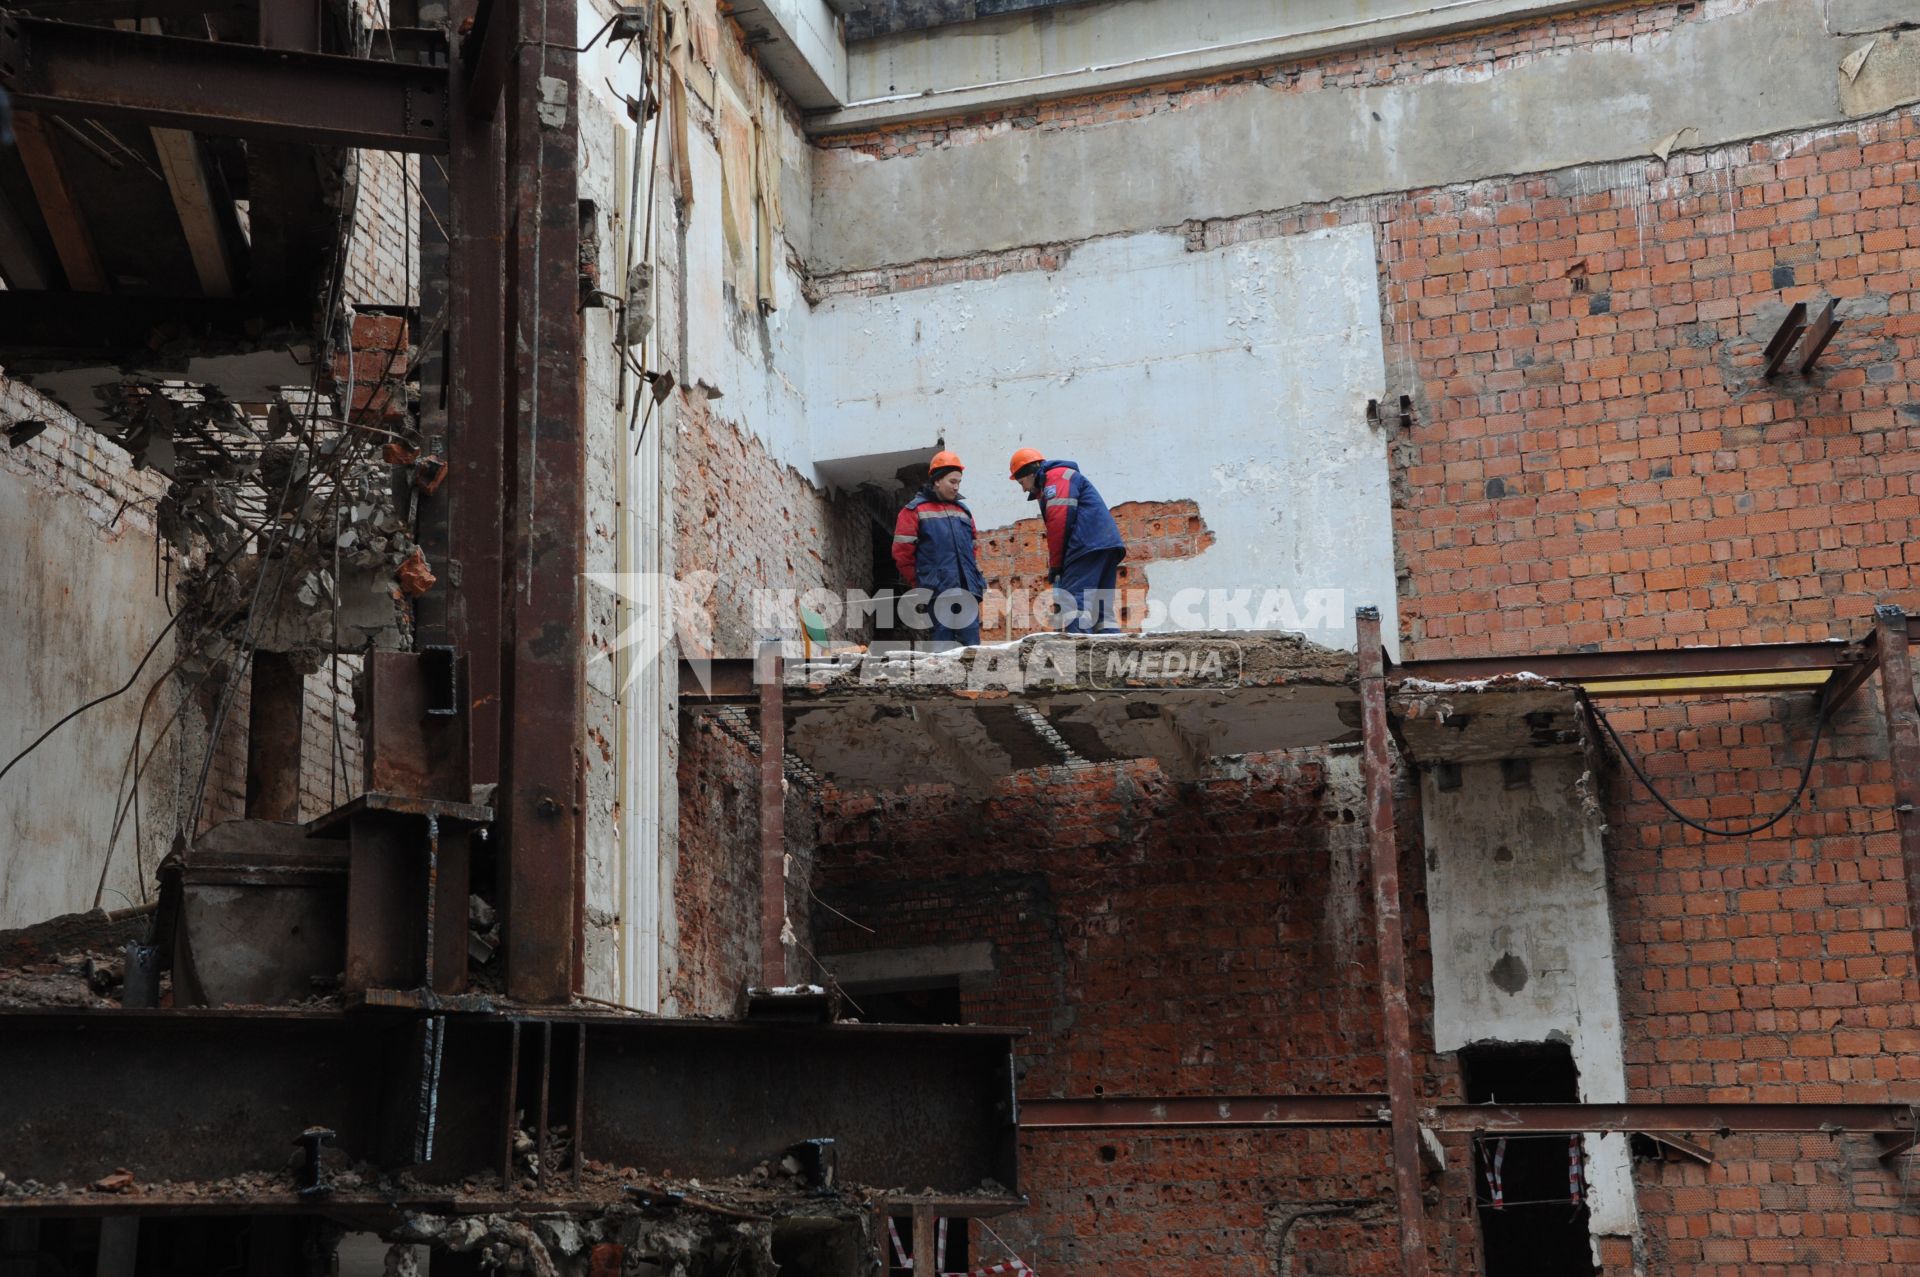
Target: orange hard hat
(1021, 460)
(945, 461)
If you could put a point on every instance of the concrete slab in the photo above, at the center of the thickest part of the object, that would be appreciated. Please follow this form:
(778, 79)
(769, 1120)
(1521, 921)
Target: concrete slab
(1515, 716)
(970, 717)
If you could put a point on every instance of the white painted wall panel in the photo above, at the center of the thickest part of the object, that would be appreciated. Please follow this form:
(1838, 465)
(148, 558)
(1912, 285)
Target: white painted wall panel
(1236, 377)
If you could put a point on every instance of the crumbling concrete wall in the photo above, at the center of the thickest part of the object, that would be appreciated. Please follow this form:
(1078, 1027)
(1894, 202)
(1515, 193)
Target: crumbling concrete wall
(1523, 938)
(85, 598)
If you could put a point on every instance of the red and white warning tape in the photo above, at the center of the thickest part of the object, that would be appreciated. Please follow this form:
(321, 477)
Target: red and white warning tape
(1496, 1188)
(1573, 1169)
(1012, 1268)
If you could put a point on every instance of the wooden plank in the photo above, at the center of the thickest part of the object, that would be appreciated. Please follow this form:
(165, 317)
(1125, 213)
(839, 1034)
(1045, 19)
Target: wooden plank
(923, 1244)
(179, 153)
(72, 242)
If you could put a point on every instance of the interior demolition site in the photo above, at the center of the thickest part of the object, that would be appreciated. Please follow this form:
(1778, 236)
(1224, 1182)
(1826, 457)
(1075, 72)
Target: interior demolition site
(473, 801)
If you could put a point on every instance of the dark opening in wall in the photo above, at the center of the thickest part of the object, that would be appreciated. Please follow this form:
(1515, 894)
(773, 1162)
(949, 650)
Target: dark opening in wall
(939, 1005)
(1530, 1190)
(817, 1248)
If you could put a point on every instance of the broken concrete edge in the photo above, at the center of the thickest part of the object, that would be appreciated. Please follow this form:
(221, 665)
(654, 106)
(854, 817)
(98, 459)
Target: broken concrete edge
(1053, 663)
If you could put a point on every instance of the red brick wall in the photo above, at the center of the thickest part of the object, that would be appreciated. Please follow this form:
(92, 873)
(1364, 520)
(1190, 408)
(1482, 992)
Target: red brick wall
(1158, 938)
(1597, 459)
(1014, 561)
(752, 522)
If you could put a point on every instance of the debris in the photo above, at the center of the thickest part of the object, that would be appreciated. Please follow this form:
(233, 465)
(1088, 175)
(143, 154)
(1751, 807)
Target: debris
(415, 577)
(1851, 64)
(399, 453)
(427, 474)
(119, 1182)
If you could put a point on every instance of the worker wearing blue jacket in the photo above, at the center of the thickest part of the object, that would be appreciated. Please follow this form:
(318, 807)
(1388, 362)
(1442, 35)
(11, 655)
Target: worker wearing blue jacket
(933, 548)
(1084, 546)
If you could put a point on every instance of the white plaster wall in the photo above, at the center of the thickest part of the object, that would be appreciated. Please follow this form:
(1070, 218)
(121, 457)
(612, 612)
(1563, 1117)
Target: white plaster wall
(1236, 377)
(77, 594)
(1522, 872)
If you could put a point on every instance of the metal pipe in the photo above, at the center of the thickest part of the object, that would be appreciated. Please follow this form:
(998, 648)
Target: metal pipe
(773, 821)
(1384, 859)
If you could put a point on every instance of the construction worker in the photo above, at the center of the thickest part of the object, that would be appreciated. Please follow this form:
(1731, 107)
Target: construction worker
(1084, 547)
(933, 547)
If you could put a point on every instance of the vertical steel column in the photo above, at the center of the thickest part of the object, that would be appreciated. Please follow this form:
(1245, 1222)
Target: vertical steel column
(476, 334)
(1892, 641)
(276, 713)
(543, 651)
(1385, 860)
(773, 818)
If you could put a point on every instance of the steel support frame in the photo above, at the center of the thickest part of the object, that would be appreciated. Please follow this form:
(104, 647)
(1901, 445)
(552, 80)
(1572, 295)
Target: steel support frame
(543, 641)
(437, 1096)
(237, 90)
(1326, 1111)
(1384, 865)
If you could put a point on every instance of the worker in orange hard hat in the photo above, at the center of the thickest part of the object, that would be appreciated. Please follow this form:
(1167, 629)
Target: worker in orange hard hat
(933, 547)
(1084, 546)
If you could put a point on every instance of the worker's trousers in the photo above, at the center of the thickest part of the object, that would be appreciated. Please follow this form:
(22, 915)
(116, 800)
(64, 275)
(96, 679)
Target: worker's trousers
(1085, 594)
(956, 618)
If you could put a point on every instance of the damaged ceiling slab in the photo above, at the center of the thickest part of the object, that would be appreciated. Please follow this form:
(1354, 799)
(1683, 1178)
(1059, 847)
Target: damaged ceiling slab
(883, 720)
(1488, 720)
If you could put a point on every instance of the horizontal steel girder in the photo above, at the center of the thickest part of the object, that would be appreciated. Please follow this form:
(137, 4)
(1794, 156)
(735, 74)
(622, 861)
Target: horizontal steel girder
(1243, 1111)
(189, 1096)
(239, 90)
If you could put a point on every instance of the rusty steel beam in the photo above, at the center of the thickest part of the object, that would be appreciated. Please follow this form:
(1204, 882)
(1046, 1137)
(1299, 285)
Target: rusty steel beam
(476, 356)
(1848, 679)
(1204, 1110)
(1316, 1111)
(1384, 861)
(1589, 667)
(719, 681)
(276, 711)
(236, 90)
(490, 59)
(181, 1098)
(1558, 1119)
(773, 826)
(1791, 326)
(1893, 636)
(543, 652)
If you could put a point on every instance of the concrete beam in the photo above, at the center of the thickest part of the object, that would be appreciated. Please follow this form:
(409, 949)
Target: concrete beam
(802, 45)
(1020, 58)
(1771, 69)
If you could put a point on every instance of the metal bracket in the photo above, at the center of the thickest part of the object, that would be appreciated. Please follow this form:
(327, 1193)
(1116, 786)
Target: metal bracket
(313, 1171)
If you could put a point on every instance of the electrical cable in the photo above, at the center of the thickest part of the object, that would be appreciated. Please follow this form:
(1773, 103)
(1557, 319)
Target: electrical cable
(1806, 774)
